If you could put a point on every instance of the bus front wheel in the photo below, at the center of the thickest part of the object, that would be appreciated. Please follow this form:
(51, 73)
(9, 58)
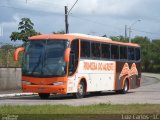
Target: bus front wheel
(81, 91)
(44, 95)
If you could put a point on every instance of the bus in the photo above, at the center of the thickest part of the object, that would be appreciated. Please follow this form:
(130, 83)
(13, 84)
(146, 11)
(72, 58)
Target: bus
(78, 64)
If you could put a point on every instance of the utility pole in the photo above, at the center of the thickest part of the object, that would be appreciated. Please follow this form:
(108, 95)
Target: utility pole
(125, 32)
(66, 19)
(130, 29)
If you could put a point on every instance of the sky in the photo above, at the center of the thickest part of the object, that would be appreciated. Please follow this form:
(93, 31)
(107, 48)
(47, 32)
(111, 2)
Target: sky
(94, 17)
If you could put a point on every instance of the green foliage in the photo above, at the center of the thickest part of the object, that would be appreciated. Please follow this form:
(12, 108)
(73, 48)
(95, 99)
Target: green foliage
(119, 38)
(6, 56)
(7, 47)
(155, 56)
(145, 44)
(59, 32)
(26, 30)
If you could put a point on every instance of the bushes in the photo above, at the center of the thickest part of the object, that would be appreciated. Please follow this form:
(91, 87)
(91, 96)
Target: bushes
(6, 56)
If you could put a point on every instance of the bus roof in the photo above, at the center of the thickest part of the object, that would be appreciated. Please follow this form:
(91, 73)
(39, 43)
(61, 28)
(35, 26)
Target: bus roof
(73, 36)
(90, 36)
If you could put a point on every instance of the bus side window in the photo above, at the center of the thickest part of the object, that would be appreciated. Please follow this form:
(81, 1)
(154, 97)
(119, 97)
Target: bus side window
(131, 53)
(74, 54)
(95, 49)
(85, 49)
(123, 52)
(115, 52)
(137, 53)
(105, 50)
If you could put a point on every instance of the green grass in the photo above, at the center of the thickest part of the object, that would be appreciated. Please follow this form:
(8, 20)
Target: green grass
(92, 109)
(92, 112)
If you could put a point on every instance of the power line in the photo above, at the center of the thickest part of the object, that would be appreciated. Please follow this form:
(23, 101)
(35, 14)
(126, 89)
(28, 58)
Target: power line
(104, 25)
(40, 3)
(99, 23)
(48, 3)
(66, 17)
(145, 31)
(92, 21)
(72, 7)
(59, 14)
(32, 10)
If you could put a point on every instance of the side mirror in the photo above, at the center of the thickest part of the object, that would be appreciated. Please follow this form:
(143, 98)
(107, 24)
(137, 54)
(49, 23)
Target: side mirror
(16, 53)
(67, 54)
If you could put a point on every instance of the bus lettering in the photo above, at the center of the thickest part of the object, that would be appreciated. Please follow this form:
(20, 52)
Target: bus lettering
(98, 66)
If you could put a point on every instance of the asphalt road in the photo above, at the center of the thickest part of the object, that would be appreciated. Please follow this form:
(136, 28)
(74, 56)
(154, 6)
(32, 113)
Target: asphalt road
(149, 93)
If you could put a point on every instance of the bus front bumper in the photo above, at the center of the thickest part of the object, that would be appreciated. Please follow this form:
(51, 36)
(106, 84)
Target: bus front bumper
(59, 89)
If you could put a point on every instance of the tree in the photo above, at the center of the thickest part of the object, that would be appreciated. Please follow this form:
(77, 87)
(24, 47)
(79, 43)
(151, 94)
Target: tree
(119, 38)
(146, 51)
(26, 30)
(59, 32)
(155, 56)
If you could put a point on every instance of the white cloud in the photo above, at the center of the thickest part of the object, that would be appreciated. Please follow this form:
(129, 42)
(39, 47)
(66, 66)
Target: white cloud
(48, 15)
(41, 5)
(83, 6)
(9, 27)
(104, 7)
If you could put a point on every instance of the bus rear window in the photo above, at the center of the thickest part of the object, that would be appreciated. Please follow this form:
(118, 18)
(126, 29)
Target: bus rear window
(137, 53)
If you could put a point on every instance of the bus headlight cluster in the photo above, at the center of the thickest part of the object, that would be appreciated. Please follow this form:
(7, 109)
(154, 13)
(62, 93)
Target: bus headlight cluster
(59, 83)
(26, 82)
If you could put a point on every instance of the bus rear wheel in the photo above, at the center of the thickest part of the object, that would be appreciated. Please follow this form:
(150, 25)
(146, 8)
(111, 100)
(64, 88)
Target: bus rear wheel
(125, 88)
(81, 91)
(44, 95)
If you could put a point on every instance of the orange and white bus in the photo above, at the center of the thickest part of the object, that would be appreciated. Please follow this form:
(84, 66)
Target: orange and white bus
(78, 64)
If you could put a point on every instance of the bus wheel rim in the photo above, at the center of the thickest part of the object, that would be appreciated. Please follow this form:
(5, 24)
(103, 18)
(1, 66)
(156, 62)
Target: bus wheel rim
(80, 89)
(125, 87)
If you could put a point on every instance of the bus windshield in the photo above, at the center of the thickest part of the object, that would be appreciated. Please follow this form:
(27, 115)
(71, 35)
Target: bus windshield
(44, 58)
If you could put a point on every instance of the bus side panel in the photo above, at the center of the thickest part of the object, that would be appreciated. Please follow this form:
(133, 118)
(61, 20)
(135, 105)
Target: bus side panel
(130, 71)
(99, 75)
(73, 81)
(135, 80)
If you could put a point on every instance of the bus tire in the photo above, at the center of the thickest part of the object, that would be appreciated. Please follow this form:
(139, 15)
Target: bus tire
(81, 91)
(44, 95)
(125, 88)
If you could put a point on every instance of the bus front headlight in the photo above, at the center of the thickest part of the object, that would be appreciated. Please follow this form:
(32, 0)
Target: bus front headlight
(26, 82)
(59, 83)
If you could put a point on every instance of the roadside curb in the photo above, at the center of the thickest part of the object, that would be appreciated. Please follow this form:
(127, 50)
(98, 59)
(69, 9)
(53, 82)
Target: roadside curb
(152, 75)
(16, 94)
